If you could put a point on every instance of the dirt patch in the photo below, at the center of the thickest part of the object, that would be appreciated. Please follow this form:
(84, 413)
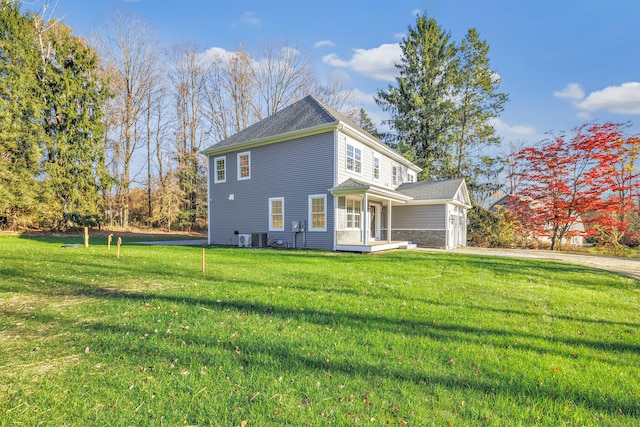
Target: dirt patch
(125, 233)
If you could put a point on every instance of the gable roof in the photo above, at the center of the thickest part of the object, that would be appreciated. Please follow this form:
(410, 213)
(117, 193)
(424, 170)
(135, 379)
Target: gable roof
(307, 116)
(353, 186)
(304, 114)
(444, 190)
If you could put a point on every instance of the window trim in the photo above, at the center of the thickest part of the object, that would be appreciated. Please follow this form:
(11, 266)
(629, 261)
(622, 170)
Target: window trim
(310, 216)
(356, 216)
(271, 200)
(216, 180)
(376, 168)
(239, 155)
(356, 163)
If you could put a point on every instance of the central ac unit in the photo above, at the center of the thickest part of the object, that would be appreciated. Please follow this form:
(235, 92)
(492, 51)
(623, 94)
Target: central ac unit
(244, 240)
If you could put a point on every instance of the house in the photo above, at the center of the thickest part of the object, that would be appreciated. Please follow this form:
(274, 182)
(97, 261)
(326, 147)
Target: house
(575, 235)
(307, 177)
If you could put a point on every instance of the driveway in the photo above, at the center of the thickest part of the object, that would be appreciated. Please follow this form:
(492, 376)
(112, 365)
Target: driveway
(626, 266)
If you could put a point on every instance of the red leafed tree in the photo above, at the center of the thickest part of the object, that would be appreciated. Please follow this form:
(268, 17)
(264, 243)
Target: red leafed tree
(587, 177)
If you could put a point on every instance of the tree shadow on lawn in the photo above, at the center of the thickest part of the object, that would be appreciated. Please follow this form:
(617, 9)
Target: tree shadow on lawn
(424, 328)
(257, 352)
(431, 328)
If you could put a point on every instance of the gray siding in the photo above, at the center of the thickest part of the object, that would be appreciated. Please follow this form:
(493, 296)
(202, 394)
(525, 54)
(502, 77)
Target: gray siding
(419, 217)
(292, 169)
(366, 174)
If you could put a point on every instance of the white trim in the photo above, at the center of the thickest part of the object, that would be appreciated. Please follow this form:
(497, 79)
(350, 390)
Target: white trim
(310, 214)
(418, 229)
(215, 149)
(354, 214)
(244, 153)
(376, 156)
(271, 200)
(215, 170)
(356, 160)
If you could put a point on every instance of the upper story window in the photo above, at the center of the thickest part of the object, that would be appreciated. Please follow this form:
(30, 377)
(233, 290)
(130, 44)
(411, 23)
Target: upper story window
(394, 175)
(376, 167)
(220, 165)
(354, 158)
(244, 165)
(411, 177)
(276, 214)
(318, 212)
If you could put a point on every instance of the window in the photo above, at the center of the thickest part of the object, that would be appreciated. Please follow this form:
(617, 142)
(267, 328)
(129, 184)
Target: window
(354, 212)
(376, 167)
(244, 165)
(354, 158)
(394, 174)
(318, 213)
(411, 177)
(276, 214)
(220, 165)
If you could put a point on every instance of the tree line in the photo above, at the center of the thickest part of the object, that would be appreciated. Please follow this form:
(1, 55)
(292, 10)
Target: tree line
(110, 131)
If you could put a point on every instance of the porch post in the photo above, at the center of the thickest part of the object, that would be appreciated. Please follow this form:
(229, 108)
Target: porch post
(389, 220)
(365, 220)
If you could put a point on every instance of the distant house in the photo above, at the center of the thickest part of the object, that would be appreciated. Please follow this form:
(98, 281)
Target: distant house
(574, 236)
(307, 177)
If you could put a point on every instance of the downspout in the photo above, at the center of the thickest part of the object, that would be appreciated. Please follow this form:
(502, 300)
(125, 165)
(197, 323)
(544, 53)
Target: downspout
(209, 209)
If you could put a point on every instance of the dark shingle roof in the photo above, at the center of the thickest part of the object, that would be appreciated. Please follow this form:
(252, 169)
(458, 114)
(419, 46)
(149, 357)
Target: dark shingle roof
(304, 114)
(351, 184)
(431, 190)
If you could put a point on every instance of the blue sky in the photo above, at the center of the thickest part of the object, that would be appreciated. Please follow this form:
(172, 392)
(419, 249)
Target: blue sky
(562, 62)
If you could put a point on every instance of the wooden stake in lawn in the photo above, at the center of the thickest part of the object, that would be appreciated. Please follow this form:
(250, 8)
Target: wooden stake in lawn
(118, 250)
(203, 260)
(109, 242)
(86, 237)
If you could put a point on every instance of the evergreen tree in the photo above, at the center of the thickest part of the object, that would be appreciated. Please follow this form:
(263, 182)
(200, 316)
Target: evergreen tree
(443, 103)
(478, 102)
(74, 150)
(20, 117)
(420, 103)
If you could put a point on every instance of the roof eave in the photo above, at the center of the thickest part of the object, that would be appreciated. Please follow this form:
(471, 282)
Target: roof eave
(325, 127)
(379, 146)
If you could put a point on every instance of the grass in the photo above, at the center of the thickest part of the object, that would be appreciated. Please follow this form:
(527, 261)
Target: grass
(305, 338)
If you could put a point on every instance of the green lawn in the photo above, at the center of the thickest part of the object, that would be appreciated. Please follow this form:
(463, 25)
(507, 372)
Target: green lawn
(306, 338)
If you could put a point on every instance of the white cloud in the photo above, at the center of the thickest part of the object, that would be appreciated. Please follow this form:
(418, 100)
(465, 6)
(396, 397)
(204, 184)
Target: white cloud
(511, 131)
(572, 91)
(248, 18)
(399, 36)
(324, 43)
(377, 63)
(218, 54)
(623, 99)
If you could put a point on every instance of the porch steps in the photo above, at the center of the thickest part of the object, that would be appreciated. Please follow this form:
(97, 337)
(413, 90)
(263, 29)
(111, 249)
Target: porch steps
(408, 246)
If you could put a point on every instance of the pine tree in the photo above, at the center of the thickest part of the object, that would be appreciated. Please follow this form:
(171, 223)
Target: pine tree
(20, 114)
(74, 151)
(478, 102)
(420, 103)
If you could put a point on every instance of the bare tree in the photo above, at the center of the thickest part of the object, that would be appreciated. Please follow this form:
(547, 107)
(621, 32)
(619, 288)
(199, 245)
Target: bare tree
(230, 92)
(282, 75)
(189, 75)
(129, 49)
